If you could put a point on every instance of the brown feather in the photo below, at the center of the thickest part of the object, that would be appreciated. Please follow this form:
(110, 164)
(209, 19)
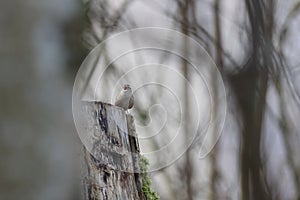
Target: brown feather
(131, 102)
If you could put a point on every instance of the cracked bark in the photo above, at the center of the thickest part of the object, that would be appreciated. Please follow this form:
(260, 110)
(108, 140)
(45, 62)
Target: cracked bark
(112, 162)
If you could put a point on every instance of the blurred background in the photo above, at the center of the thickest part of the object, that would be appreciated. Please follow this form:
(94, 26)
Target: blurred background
(40, 53)
(255, 45)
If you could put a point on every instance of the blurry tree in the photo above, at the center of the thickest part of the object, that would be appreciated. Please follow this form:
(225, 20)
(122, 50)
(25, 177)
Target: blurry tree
(38, 141)
(261, 134)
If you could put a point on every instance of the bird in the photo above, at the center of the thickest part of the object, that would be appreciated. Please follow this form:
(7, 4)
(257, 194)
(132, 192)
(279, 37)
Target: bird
(125, 99)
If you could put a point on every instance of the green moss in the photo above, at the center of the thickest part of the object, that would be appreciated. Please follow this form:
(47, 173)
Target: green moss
(146, 182)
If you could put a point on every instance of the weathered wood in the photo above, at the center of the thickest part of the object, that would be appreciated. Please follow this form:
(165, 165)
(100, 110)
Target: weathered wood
(113, 169)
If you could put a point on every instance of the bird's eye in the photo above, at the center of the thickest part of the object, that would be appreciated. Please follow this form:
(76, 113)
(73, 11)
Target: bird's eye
(126, 87)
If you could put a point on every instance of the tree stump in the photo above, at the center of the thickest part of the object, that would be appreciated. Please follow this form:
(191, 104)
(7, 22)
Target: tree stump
(113, 158)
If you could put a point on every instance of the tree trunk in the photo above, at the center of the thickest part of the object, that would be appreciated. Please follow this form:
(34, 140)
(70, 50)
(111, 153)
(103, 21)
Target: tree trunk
(113, 169)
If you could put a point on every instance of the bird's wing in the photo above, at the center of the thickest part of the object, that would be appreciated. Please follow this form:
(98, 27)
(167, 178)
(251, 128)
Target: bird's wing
(131, 102)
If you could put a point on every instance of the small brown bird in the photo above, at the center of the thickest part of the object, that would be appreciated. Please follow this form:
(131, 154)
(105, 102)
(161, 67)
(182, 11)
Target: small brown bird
(125, 99)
